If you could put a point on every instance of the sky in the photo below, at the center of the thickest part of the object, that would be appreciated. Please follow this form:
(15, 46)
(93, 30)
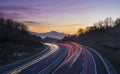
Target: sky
(65, 16)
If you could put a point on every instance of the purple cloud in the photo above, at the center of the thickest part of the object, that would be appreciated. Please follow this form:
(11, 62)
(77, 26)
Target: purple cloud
(10, 15)
(14, 8)
(31, 22)
(35, 23)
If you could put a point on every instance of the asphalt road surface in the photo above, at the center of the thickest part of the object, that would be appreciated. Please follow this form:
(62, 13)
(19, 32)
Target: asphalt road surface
(65, 58)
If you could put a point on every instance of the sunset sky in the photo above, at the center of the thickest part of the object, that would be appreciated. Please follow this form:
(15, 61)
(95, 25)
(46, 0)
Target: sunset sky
(65, 16)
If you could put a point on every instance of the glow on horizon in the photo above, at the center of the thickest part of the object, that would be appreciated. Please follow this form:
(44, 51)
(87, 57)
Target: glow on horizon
(60, 15)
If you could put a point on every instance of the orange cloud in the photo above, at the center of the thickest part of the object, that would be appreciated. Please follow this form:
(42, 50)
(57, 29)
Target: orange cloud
(46, 28)
(40, 29)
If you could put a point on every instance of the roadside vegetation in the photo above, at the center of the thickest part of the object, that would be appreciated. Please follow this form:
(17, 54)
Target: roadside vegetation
(103, 36)
(16, 42)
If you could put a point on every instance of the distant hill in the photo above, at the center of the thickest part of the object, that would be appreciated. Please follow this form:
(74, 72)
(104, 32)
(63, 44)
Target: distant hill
(52, 34)
(49, 39)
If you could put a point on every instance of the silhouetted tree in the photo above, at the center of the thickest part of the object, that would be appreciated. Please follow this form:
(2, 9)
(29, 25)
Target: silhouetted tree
(80, 31)
(100, 29)
(12, 32)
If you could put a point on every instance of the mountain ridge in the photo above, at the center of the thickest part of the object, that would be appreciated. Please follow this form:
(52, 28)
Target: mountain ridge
(52, 34)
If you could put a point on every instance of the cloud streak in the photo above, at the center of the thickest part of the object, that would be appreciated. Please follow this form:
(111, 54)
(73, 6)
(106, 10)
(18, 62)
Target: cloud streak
(2, 8)
(59, 14)
(11, 15)
(38, 24)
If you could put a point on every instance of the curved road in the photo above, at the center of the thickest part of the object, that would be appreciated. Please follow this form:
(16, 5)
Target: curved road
(65, 58)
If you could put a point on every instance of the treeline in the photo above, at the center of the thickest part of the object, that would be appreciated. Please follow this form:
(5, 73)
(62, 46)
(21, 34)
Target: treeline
(15, 32)
(12, 31)
(103, 29)
(103, 36)
(15, 39)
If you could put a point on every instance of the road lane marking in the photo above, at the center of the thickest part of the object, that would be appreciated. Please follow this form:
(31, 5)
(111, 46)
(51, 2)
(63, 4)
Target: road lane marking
(83, 64)
(93, 61)
(83, 57)
(100, 58)
(33, 68)
(35, 60)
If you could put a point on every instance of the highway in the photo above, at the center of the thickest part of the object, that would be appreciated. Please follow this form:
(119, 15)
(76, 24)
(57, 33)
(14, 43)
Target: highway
(65, 58)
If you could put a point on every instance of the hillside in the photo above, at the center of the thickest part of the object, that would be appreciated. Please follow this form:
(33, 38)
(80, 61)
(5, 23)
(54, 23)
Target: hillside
(104, 37)
(15, 40)
(49, 39)
(52, 34)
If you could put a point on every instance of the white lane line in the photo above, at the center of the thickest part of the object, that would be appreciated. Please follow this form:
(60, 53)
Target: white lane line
(83, 58)
(54, 64)
(100, 58)
(83, 64)
(93, 61)
(62, 61)
(20, 68)
(33, 68)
